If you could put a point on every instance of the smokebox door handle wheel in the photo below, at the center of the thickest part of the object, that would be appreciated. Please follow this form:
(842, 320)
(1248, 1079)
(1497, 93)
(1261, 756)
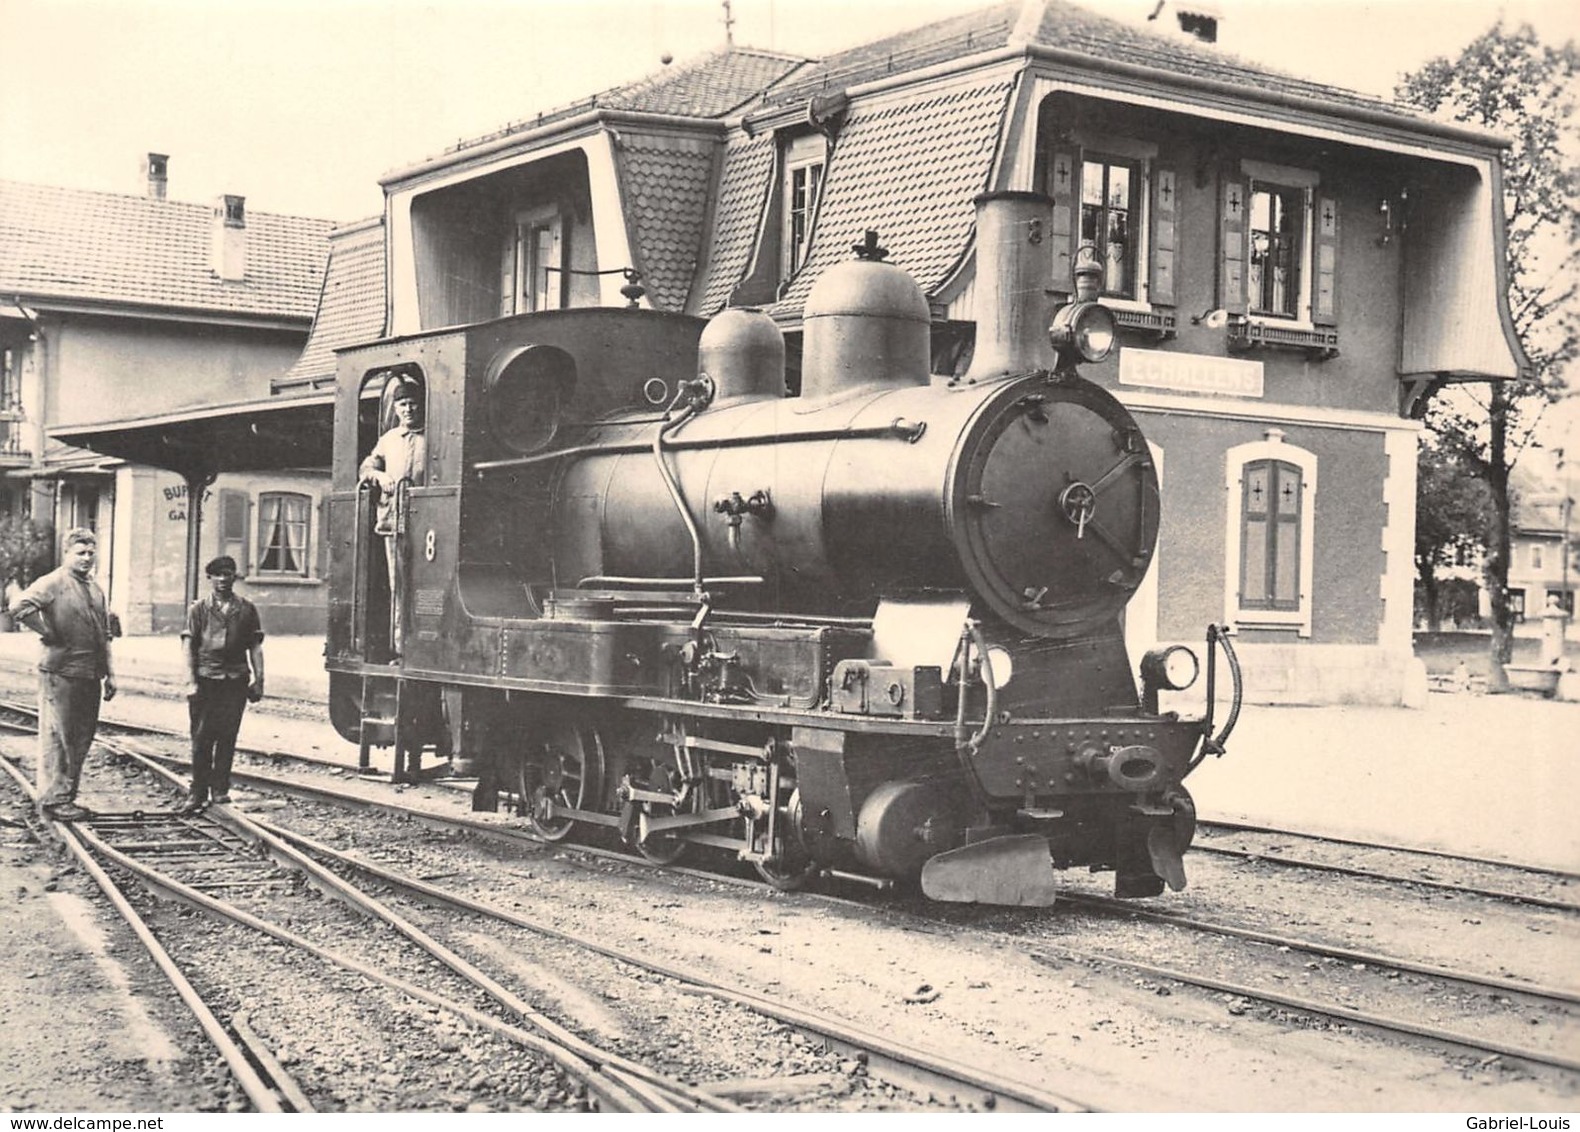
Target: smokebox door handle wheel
(565, 771)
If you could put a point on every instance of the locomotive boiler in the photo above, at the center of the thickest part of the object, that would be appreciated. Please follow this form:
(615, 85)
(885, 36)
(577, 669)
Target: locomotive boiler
(868, 630)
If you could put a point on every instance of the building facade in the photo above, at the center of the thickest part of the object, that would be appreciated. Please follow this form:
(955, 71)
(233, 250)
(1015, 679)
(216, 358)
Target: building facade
(125, 307)
(1294, 267)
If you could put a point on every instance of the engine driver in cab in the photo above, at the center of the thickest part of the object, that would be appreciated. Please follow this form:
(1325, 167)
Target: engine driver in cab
(400, 456)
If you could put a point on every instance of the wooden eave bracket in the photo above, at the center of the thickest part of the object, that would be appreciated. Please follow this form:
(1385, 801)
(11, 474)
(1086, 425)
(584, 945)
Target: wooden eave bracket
(1416, 392)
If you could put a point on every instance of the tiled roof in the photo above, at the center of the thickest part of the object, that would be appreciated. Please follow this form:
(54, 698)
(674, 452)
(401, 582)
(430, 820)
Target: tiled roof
(84, 246)
(748, 163)
(909, 170)
(1070, 26)
(1063, 25)
(351, 309)
(665, 181)
(956, 37)
(710, 86)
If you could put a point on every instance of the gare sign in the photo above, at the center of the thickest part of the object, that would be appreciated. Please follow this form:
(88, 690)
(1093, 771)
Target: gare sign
(1190, 373)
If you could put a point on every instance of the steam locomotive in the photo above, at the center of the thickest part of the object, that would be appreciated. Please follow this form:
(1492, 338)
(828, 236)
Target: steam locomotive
(871, 630)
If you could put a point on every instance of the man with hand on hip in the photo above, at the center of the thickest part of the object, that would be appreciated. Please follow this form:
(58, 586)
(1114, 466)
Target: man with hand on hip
(223, 639)
(66, 609)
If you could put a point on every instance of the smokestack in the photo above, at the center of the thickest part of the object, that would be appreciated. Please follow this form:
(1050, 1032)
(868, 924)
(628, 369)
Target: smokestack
(156, 169)
(1014, 274)
(229, 258)
(1200, 21)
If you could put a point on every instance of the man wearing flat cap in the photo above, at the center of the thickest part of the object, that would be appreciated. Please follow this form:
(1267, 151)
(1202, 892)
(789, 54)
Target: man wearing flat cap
(223, 640)
(401, 455)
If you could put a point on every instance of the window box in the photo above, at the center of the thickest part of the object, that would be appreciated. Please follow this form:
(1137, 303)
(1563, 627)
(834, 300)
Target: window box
(1321, 342)
(1161, 323)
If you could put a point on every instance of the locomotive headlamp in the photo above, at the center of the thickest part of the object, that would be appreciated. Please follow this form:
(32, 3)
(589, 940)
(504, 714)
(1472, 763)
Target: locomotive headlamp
(1087, 328)
(1174, 668)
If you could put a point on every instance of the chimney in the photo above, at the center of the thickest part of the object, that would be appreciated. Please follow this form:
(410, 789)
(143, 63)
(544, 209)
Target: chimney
(1014, 281)
(157, 170)
(1198, 20)
(230, 238)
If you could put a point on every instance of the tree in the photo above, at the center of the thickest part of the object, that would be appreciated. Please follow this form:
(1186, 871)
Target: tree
(26, 549)
(1454, 515)
(1510, 83)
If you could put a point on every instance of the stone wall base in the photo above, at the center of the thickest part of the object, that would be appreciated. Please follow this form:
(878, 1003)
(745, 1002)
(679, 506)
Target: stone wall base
(1313, 675)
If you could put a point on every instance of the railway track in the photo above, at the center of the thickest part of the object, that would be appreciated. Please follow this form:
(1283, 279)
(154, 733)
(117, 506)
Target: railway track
(1554, 1003)
(1546, 888)
(194, 859)
(1273, 848)
(1466, 1039)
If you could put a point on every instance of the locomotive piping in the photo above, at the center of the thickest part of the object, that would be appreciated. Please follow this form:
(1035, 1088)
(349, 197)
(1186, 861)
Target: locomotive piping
(673, 485)
(966, 748)
(899, 428)
(1214, 744)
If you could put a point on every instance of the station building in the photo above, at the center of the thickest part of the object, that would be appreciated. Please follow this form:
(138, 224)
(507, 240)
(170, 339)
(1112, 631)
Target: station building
(1295, 268)
(134, 308)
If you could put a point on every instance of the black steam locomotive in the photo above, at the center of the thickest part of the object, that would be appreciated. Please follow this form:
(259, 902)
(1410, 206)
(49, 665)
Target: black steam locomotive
(870, 630)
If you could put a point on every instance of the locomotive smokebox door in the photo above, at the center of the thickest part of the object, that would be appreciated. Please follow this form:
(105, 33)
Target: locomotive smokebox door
(1057, 509)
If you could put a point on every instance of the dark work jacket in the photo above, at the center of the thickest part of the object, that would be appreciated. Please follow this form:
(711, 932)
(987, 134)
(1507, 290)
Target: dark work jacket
(77, 643)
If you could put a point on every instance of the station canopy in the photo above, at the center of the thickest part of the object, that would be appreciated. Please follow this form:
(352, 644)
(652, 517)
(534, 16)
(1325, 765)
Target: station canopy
(273, 434)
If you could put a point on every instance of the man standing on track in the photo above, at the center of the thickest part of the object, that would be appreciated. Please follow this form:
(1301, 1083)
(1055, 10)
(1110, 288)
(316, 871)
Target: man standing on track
(66, 609)
(222, 638)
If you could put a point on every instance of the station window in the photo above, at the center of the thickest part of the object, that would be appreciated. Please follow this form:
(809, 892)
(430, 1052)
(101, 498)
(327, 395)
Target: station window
(804, 161)
(1278, 218)
(283, 531)
(1270, 536)
(1268, 545)
(1110, 212)
(1278, 240)
(1112, 193)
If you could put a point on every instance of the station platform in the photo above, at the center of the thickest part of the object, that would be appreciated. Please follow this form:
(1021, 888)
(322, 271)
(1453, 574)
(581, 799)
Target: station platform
(293, 666)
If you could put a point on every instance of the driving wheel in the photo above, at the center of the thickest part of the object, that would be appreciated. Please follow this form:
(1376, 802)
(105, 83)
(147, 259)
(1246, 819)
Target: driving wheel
(564, 770)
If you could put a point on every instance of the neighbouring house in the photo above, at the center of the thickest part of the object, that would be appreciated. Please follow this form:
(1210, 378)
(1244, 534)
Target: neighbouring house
(1295, 268)
(1541, 554)
(117, 307)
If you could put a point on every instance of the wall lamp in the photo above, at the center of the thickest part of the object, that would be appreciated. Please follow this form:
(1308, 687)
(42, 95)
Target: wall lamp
(1213, 318)
(1393, 216)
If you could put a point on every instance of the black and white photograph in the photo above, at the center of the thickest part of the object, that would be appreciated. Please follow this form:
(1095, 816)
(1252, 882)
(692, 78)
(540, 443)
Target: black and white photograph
(789, 557)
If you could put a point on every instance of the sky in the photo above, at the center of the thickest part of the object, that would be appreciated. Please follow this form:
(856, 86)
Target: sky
(301, 105)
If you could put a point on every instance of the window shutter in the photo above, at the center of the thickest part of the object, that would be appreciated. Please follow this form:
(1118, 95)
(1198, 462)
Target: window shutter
(1161, 254)
(507, 274)
(1325, 263)
(233, 519)
(1064, 186)
(321, 550)
(1234, 197)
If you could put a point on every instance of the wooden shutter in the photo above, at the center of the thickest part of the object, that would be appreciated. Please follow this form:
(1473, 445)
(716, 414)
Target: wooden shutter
(1234, 241)
(321, 547)
(234, 515)
(1064, 186)
(1160, 258)
(1325, 263)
